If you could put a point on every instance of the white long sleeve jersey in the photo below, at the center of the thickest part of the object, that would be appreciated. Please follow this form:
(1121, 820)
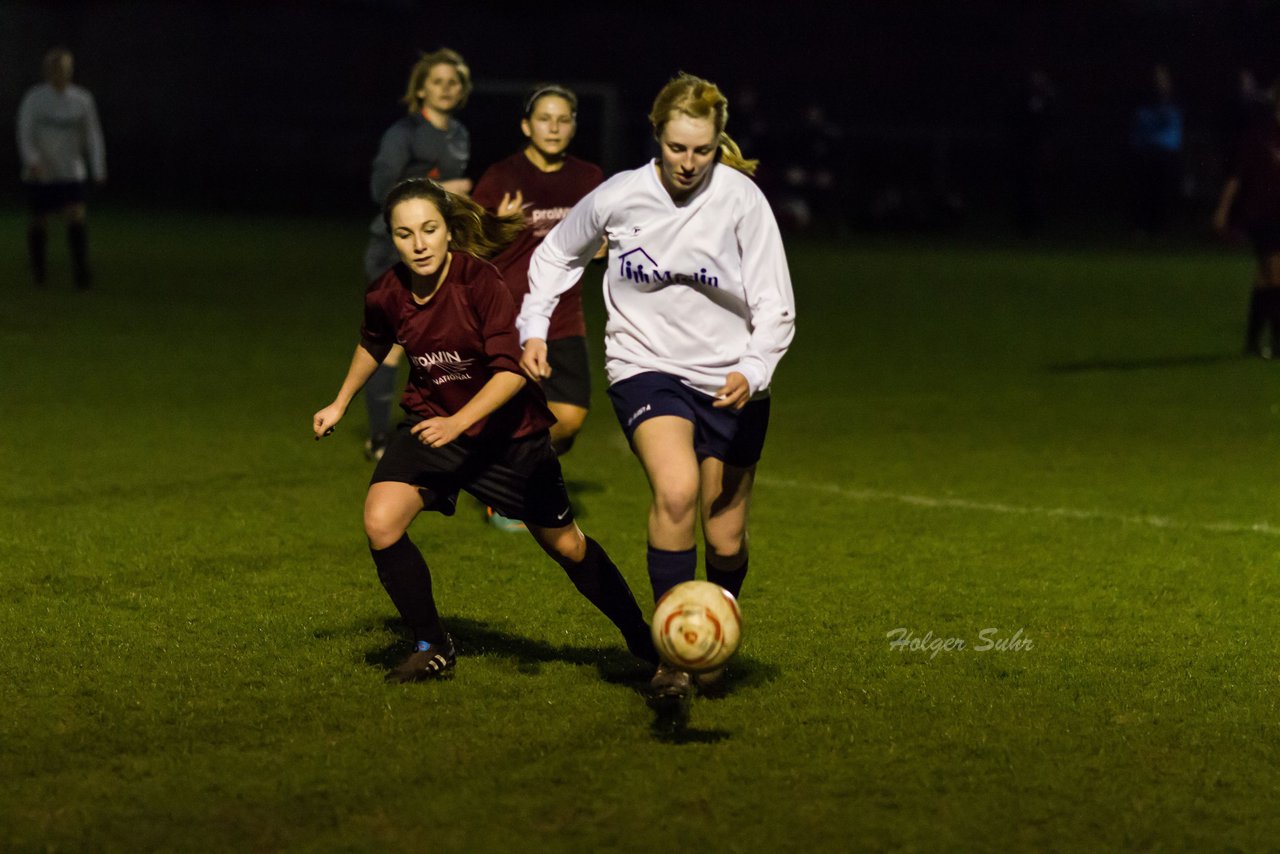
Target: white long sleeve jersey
(694, 290)
(56, 131)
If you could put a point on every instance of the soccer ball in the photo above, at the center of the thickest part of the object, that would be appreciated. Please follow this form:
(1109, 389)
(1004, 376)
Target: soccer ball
(697, 626)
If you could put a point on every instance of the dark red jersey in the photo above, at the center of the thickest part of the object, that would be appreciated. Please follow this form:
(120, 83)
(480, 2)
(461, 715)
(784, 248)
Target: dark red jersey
(548, 196)
(1259, 173)
(464, 335)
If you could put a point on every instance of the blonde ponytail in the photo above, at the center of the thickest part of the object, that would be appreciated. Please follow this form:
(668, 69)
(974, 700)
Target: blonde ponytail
(731, 155)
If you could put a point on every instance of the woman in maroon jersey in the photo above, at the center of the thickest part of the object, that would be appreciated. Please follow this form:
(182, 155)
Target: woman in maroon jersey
(474, 423)
(1251, 201)
(544, 181)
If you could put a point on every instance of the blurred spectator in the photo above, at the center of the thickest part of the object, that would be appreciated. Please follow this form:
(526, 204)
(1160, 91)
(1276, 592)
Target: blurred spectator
(58, 130)
(427, 142)
(750, 128)
(1248, 105)
(1031, 119)
(1155, 141)
(1250, 201)
(812, 180)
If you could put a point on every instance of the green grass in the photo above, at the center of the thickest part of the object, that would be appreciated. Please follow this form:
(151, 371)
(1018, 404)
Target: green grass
(1058, 441)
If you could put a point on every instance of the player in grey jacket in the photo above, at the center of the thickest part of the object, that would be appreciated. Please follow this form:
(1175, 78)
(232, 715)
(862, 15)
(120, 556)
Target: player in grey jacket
(60, 145)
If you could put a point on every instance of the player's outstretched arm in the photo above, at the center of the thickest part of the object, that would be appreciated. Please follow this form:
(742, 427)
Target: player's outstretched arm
(362, 367)
(1222, 214)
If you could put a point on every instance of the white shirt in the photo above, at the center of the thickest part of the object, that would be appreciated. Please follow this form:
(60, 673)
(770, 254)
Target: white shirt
(695, 290)
(56, 130)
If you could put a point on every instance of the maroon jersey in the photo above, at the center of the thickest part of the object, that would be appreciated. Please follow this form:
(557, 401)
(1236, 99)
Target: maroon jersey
(463, 336)
(1259, 173)
(548, 196)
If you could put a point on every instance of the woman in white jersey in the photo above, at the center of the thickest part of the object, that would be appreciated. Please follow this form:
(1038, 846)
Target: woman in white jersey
(60, 143)
(700, 312)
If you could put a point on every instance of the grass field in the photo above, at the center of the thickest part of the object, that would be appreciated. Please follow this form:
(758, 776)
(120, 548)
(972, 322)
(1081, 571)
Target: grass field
(1056, 442)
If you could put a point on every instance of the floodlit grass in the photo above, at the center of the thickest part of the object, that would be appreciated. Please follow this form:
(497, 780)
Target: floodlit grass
(1052, 441)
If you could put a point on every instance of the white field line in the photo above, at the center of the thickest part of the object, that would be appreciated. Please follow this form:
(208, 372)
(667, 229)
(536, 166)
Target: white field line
(855, 494)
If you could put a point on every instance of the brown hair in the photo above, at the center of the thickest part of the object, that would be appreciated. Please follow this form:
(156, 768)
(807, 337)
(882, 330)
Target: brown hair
(699, 99)
(542, 90)
(422, 68)
(472, 229)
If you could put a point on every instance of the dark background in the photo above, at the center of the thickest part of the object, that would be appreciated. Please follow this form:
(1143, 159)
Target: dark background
(279, 105)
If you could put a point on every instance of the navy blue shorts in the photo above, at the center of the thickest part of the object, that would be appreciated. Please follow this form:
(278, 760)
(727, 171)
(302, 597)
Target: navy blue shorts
(736, 437)
(519, 478)
(50, 198)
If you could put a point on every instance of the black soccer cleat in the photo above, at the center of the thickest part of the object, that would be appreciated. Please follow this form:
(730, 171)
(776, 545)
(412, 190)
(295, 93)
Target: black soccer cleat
(670, 684)
(428, 661)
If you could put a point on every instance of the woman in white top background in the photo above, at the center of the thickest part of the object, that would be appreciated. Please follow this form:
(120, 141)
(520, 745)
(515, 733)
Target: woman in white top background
(60, 143)
(700, 312)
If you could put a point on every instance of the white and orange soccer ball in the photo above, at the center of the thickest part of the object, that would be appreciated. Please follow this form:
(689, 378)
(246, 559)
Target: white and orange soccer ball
(697, 626)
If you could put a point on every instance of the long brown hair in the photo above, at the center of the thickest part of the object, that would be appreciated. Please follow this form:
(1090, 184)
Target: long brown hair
(699, 99)
(422, 68)
(472, 229)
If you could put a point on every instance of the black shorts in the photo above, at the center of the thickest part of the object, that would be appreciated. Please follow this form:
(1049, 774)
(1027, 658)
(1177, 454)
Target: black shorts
(50, 198)
(735, 437)
(1265, 237)
(570, 380)
(519, 478)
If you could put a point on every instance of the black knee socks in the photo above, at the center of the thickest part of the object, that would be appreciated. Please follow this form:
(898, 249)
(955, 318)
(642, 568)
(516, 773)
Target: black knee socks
(407, 580)
(78, 241)
(667, 569)
(37, 241)
(1269, 308)
(729, 579)
(598, 579)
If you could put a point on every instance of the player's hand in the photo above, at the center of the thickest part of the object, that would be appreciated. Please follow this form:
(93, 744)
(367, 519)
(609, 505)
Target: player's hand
(735, 392)
(511, 204)
(533, 361)
(323, 422)
(458, 186)
(603, 251)
(437, 432)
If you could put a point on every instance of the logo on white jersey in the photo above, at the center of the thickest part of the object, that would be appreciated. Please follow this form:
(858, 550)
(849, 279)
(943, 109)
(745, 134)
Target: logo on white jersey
(632, 267)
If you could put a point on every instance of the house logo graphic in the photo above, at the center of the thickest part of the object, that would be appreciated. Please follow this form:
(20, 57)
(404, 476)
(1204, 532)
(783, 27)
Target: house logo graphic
(632, 267)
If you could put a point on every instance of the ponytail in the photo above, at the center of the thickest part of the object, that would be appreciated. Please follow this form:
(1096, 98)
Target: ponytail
(731, 155)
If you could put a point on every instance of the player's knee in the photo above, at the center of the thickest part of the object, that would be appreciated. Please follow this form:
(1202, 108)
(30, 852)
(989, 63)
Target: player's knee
(569, 421)
(562, 443)
(726, 553)
(1270, 273)
(566, 545)
(382, 527)
(676, 502)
